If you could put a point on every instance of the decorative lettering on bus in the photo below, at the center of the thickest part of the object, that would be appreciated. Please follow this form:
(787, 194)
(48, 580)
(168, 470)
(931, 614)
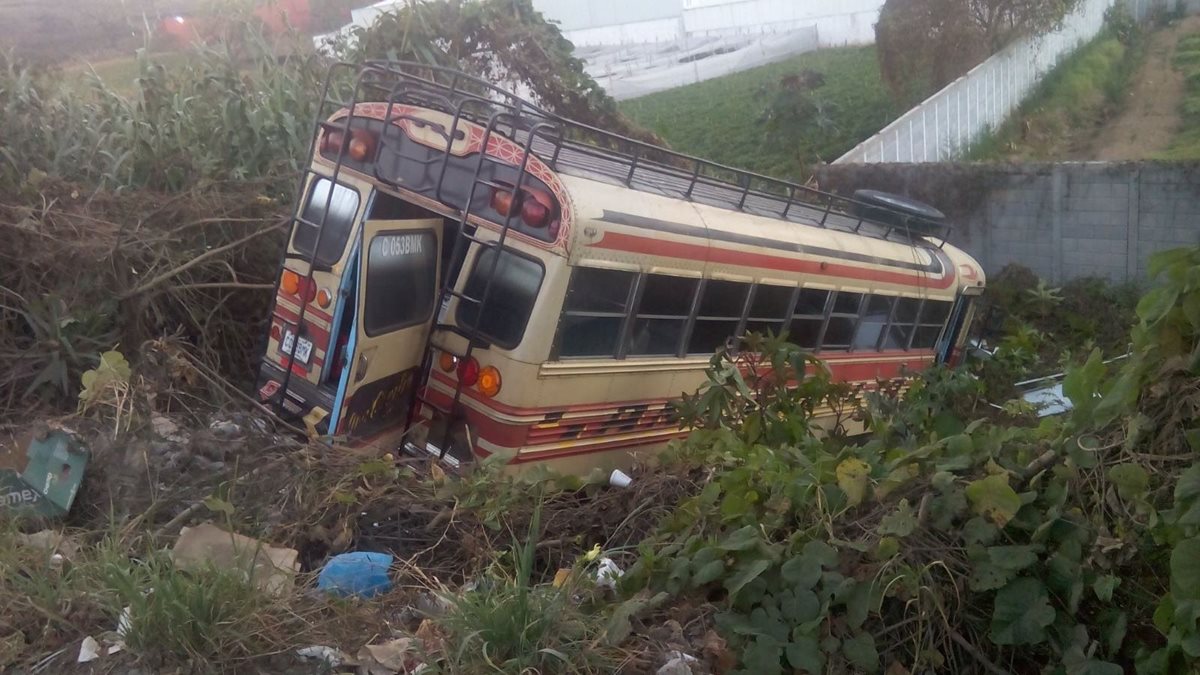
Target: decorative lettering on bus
(401, 245)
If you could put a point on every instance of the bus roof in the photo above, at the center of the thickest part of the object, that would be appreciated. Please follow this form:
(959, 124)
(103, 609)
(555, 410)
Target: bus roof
(577, 149)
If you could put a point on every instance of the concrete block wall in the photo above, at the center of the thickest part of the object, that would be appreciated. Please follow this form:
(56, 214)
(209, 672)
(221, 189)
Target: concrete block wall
(1064, 221)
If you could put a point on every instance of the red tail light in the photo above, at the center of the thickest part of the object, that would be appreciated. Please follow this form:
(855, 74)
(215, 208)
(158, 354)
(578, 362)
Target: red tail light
(307, 290)
(332, 143)
(468, 372)
(360, 146)
(534, 213)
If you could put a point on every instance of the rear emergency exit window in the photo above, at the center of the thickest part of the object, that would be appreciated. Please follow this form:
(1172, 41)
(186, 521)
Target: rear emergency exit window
(334, 213)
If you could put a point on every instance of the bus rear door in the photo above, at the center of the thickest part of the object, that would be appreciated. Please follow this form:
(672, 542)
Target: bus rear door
(398, 281)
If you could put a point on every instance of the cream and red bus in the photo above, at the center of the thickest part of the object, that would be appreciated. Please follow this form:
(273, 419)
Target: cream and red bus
(468, 275)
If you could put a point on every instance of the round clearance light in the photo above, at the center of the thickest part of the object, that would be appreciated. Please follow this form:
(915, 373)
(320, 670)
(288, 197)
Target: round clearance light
(324, 298)
(290, 283)
(447, 362)
(489, 381)
(362, 145)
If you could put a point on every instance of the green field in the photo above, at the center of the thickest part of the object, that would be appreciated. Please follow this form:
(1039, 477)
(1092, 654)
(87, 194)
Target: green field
(720, 119)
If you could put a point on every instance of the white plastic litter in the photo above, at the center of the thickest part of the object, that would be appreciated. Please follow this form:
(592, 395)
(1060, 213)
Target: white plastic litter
(331, 657)
(607, 574)
(89, 650)
(620, 479)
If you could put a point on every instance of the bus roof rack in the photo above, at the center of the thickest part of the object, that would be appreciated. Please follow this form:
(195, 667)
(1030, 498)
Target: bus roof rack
(586, 151)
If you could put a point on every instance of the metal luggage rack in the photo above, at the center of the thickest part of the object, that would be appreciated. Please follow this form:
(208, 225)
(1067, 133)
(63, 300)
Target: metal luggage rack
(586, 151)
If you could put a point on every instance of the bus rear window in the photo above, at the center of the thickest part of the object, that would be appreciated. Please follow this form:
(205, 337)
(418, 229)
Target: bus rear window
(514, 290)
(342, 209)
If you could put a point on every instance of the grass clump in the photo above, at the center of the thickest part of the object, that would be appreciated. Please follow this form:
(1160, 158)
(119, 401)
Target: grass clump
(507, 624)
(722, 119)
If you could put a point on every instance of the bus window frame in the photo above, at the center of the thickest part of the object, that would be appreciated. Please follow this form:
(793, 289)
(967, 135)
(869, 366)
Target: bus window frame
(789, 309)
(634, 314)
(694, 317)
(361, 208)
(830, 315)
(466, 273)
(564, 314)
(367, 330)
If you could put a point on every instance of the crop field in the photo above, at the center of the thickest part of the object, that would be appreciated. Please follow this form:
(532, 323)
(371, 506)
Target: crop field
(723, 119)
(143, 229)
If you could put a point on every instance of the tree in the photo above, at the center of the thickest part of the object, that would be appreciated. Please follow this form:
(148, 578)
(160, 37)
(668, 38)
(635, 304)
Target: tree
(926, 44)
(507, 42)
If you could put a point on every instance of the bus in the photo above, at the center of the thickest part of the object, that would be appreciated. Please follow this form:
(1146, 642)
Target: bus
(468, 275)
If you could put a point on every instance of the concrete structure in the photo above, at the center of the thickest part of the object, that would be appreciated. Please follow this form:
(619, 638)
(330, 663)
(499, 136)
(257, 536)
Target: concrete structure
(1062, 220)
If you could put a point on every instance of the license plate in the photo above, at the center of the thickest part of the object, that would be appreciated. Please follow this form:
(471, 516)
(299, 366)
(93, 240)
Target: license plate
(303, 346)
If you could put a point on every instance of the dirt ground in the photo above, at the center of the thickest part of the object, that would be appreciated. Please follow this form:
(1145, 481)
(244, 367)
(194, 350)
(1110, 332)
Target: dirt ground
(1150, 119)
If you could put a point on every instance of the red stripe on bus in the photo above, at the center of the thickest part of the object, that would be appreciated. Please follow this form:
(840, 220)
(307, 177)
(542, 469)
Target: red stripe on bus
(841, 372)
(630, 243)
(311, 311)
(319, 335)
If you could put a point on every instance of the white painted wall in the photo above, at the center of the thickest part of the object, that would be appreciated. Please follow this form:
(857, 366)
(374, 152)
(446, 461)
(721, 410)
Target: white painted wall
(573, 15)
(641, 32)
(837, 22)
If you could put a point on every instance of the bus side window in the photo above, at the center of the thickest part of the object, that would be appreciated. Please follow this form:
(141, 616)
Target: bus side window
(662, 315)
(870, 328)
(809, 318)
(900, 331)
(514, 291)
(933, 321)
(843, 318)
(770, 309)
(594, 312)
(722, 304)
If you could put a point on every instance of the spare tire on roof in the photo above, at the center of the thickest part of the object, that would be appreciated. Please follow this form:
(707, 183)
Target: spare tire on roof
(898, 211)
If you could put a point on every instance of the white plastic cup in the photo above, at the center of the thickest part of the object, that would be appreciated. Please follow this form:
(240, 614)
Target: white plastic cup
(620, 479)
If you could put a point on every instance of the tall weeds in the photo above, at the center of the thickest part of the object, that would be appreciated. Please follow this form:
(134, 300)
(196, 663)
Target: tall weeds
(235, 111)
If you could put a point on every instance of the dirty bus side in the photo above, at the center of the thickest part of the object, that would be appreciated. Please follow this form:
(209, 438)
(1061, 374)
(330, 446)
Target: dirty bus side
(445, 290)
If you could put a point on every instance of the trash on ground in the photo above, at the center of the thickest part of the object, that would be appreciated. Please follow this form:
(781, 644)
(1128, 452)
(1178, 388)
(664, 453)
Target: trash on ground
(678, 663)
(89, 650)
(607, 574)
(330, 656)
(619, 478)
(50, 541)
(51, 479)
(273, 569)
(360, 573)
(401, 655)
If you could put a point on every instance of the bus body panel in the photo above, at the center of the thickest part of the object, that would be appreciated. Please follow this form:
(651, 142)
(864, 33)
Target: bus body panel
(580, 414)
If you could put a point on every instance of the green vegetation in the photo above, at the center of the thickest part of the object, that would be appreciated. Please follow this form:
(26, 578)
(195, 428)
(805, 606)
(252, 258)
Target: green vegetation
(946, 544)
(1072, 102)
(1186, 145)
(724, 119)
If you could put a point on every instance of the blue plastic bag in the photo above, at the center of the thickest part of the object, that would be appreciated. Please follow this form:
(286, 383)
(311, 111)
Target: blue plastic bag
(360, 573)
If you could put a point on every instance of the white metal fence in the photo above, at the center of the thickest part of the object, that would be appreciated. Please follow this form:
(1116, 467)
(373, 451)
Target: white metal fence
(946, 125)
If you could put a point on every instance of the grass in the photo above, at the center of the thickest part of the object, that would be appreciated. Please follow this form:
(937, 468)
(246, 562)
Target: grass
(1068, 106)
(120, 74)
(1186, 146)
(719, 119)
